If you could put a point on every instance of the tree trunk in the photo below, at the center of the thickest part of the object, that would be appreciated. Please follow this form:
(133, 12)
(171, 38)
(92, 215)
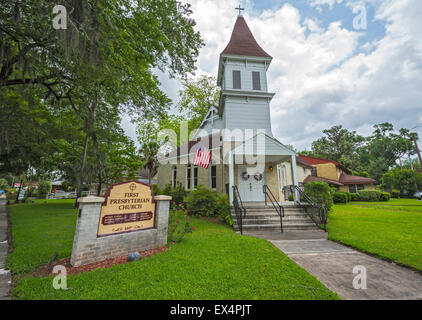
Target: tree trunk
(89, 127)
(100, 185)
(81, 171)
(418, 152)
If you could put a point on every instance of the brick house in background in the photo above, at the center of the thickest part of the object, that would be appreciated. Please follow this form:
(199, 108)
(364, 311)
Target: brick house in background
(336, 175)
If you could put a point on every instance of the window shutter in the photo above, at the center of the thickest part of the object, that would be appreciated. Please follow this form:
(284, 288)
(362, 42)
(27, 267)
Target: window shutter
(236, 79)
(256, 80)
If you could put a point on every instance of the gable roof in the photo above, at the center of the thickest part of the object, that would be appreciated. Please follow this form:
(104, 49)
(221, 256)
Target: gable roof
(315, 161)
(319, 179)
(243, 43)
(210, 142)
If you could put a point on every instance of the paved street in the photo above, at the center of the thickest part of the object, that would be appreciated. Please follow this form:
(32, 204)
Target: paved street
(333, 265)
(4, 274)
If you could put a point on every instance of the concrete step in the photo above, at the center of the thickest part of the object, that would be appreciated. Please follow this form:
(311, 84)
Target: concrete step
(276, 227)
(287, 220)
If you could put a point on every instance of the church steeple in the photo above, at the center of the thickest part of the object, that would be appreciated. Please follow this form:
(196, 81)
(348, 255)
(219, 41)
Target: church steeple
(243, 43)
(242, 75)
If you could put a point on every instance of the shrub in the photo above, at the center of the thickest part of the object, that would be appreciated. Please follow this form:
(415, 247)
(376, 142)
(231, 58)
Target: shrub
(348, 194)
(155, 190)
(320, 193)
(354, 197)
(222, 208)
(3, 184)
(44, 188)
(179, 225)
(340, 197)
(177, 194)
(385, 196)
(395, 194)
(201, 202)
(369, 195)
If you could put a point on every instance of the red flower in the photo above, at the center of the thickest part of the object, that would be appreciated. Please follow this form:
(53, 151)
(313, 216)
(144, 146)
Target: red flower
(193, 228)
(187, 219)
(177, 221)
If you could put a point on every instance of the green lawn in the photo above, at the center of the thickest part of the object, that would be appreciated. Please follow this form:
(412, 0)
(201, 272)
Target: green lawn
(39, 232)
(392, 232)
(392, 202)
(211, 263)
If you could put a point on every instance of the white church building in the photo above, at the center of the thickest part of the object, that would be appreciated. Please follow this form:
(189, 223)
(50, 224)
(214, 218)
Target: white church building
(246, 158)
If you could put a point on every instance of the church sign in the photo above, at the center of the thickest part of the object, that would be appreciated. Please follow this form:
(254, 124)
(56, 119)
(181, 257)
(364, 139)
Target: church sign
(128, 207)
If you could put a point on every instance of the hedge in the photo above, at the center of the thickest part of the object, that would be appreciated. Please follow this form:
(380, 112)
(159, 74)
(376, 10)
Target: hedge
(369, 195)
(340, 197)
(385, 196)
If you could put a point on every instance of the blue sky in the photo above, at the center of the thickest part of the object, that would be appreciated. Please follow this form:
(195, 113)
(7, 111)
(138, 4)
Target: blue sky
(324, 72)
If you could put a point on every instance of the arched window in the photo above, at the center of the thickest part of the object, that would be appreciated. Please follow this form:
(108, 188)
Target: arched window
(188, 177)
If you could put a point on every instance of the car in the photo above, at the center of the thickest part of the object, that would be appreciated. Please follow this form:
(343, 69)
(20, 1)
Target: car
(418, 195)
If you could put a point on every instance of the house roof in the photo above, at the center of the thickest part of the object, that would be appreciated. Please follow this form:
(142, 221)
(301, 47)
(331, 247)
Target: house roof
(243, 43)
(315, 161)
(303, 163)
(318, 179)
(348, 179)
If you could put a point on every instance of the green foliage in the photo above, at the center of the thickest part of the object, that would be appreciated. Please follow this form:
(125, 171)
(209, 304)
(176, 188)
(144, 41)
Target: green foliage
(179, 225)
(369, 195)
(222, 208)
(201, 202)
(320, 192)
(177, 194)
(385, 196)
(44, 188)
(404, 180)
(4, 185)
(156, 190)
(395, 194)
(365, 156)
(340, 197)
(354, 197)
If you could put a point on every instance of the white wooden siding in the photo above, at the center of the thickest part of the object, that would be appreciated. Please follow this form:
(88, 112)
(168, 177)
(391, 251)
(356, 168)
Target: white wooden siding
(245, 69)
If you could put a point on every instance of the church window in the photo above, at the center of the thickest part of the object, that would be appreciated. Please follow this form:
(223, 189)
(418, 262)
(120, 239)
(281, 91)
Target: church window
(236, 79)
(256, 80)
(213, 177)
(188, 176)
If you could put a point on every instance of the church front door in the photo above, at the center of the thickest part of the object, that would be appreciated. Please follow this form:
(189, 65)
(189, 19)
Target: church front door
(250, 185)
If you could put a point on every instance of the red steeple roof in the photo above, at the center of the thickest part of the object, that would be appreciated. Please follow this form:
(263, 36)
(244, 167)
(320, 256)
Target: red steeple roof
(243, 43)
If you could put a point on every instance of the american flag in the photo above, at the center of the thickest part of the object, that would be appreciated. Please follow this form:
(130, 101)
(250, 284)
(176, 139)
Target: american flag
(202, 157)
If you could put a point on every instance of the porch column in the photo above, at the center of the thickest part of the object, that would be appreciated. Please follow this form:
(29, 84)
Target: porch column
(294, 179)
(231, 177)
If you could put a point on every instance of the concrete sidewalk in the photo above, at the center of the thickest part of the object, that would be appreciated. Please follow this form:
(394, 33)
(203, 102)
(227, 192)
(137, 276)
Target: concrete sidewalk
(5, 278)
(333, 264)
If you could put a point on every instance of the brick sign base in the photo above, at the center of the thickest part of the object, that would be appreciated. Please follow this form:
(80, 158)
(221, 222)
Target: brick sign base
(89, 248)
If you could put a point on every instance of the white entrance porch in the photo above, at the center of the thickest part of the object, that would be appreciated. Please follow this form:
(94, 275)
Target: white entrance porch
(250, 167)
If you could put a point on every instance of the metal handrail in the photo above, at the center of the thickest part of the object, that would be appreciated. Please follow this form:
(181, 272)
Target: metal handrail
(279, 208)
(322, 211)
(239, 209)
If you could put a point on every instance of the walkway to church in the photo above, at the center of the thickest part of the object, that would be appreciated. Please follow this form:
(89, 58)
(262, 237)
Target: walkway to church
(4, 274)
(333, 264)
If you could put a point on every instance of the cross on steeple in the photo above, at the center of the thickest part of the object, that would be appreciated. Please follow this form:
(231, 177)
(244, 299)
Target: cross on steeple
(240, 9)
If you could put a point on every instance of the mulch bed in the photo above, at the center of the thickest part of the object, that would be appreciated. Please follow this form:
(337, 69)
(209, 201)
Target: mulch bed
(44, 271)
